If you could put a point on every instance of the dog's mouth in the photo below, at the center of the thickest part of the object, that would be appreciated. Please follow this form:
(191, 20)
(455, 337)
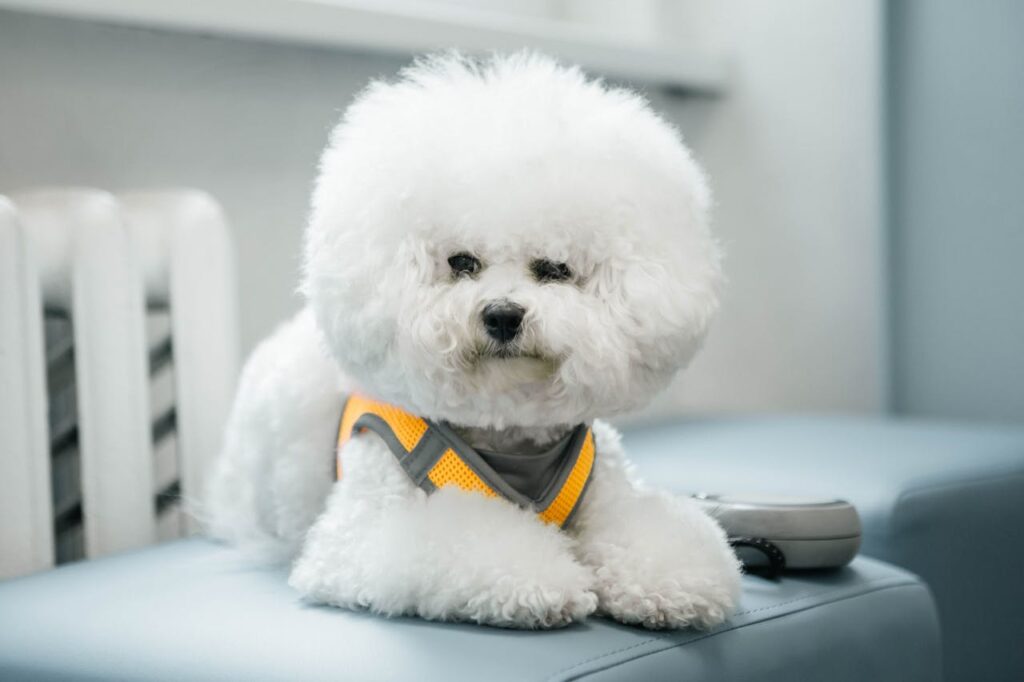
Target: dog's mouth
(507, 353)
(514, 361)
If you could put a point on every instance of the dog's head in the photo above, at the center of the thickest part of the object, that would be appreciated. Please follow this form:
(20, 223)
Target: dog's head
(506, 243)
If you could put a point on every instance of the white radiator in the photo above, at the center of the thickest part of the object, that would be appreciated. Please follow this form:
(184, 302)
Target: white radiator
(118, 359)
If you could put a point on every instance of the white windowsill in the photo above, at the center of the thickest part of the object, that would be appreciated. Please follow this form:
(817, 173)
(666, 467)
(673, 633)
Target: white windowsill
(400, 27)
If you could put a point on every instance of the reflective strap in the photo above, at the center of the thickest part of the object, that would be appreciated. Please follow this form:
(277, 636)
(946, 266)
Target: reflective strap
(561, 509)
(405, 430)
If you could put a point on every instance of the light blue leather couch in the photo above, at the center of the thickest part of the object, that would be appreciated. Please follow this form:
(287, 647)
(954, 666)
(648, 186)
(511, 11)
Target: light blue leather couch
(193, 611)
(943, 501)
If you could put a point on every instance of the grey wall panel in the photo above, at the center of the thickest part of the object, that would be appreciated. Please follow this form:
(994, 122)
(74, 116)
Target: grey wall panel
(956, 134)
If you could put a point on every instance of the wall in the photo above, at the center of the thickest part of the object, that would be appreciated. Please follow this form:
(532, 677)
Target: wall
(792, 151)
(794, 154)
(119, 108)
(956, 135)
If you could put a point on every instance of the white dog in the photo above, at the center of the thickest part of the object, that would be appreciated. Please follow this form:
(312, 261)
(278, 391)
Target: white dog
(506, 251)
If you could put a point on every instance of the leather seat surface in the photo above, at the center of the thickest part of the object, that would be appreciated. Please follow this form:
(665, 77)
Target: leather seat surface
(192, 610)
(942, 500)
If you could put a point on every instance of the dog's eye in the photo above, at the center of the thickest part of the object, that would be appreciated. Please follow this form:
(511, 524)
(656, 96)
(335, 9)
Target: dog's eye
(545, 270)
(463, 263)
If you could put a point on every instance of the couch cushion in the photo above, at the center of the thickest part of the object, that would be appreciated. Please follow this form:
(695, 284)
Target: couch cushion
(943, 500)
(192, 610)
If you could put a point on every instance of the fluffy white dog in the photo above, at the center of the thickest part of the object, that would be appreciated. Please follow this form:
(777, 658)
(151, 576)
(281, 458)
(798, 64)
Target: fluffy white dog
(509, 250)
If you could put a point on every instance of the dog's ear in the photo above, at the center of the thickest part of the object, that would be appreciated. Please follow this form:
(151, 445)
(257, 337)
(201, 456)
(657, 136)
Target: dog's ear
(354, 287)
(653, 297)
(656, 312)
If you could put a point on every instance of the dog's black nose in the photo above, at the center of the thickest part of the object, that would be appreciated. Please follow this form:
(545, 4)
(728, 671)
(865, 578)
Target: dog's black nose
(503, 320)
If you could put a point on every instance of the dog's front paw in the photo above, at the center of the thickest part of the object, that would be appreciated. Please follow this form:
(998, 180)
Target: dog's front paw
(527, 604)
(660, 562)
(451, 556)
(665, 602)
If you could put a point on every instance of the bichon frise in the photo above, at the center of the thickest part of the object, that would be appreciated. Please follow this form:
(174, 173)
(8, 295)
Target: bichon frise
(498, 254)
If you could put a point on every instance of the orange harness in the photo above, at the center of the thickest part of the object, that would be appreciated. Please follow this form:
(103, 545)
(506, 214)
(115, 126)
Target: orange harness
(434, 456)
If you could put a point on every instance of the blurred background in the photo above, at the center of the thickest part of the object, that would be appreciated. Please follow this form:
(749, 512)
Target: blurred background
(867, 159)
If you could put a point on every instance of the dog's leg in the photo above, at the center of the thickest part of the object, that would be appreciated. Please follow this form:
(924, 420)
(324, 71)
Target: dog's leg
(274, 471)
(384, 545)
(659, 560)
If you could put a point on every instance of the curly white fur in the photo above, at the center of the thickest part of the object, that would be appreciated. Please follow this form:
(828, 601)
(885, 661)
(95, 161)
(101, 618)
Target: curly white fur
(511, 160)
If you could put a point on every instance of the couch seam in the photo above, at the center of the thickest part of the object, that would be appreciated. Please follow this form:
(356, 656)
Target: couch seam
(907, 496)
(952, 485)
(615, 664)
(877, 585)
